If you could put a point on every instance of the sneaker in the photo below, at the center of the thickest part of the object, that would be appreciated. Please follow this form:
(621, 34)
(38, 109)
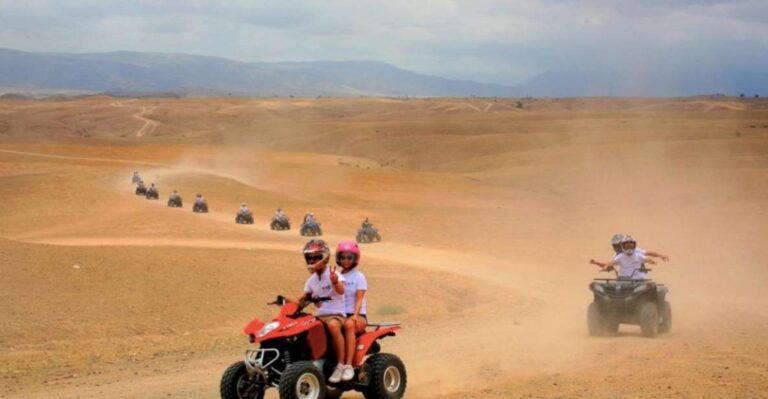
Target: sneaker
(348, 373)
(336, 376)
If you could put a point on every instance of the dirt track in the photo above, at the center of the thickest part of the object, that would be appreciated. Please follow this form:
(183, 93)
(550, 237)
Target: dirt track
(488, 213)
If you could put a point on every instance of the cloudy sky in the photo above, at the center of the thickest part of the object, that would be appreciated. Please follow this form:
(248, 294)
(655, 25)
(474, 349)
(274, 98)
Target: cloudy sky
(503, 42)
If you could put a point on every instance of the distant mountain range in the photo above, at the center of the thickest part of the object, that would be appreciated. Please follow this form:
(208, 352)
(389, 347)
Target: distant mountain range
(131, 72)
(134, 73)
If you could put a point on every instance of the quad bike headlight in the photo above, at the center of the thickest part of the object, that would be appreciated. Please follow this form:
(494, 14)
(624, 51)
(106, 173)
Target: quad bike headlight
(268, 328)
(597, 287)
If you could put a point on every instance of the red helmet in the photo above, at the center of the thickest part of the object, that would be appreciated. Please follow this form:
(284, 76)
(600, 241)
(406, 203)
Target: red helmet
(348, 247)
(315, 249)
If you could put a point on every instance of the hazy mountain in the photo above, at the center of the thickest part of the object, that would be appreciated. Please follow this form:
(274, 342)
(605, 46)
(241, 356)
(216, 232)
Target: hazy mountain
(647, 81)
(131, 72)
(137, 73)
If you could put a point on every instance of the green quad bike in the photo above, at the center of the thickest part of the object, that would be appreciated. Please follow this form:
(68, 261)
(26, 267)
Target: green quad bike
(628, 300)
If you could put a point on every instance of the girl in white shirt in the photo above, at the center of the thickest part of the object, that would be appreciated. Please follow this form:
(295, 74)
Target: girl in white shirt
(348, 257)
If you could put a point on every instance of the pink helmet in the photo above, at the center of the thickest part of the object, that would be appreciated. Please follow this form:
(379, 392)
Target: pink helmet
(348, 246)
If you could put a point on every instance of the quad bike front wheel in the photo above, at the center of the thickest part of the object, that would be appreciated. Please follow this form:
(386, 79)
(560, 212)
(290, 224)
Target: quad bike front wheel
(386, 377)
(302, 380)
(649, 319)
(595, 322)
(665, 313)
(236, 384)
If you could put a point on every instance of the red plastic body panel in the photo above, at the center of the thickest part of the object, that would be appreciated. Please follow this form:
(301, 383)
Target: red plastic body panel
(289, 327)
(367, 339)
(317, 340)
(253, 327)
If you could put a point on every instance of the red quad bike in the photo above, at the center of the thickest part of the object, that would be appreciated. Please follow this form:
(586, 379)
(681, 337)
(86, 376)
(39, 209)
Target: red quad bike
(296, 357)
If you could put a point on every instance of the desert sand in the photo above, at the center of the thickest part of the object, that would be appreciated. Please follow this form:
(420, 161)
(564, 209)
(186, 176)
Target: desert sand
(489, 214)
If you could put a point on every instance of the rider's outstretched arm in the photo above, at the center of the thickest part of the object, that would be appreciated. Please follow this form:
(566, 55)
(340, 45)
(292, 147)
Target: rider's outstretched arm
(653, 254)
(649, 260)
(603, 265)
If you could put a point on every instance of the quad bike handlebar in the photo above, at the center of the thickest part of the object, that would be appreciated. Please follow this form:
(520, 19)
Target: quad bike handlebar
(303, 303)
(643, 269)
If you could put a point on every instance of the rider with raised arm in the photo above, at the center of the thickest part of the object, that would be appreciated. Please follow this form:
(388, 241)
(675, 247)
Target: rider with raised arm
(616, 244)
(630, 261)
(326, 282)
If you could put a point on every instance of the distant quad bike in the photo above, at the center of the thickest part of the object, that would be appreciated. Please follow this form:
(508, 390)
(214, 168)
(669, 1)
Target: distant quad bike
(368, 234)
(244, 218)
(141, 190)
(200, 207)
(174, 202)
(153, 194)
(280, 224)
(311, 229)
(295, 356)
(628, 300)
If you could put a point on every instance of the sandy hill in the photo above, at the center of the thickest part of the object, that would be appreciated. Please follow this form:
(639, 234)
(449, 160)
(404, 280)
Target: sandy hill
(489, 213)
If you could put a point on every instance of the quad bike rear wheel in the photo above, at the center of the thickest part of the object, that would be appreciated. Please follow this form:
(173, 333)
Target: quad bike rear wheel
(386, 377)
(302, 380)
(649, 319)
(236, 384)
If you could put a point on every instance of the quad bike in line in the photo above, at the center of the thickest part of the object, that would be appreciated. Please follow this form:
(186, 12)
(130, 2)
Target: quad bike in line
(200, 207)
(152, 194)
(628, 300)
(368, 234)
(295, 356)
(174, 201)
(244, 218)
(311, 229)
(282, 223)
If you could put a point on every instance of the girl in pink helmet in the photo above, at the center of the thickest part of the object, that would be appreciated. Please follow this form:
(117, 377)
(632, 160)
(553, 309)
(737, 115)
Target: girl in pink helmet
(348, 257)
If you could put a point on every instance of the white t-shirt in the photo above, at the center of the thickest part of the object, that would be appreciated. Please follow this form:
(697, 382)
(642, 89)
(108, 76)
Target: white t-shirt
(629, 263)
(321, 287)
(355, 280)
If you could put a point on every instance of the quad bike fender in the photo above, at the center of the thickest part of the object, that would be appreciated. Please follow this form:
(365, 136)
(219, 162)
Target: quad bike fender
(367, 339)
(253, 327)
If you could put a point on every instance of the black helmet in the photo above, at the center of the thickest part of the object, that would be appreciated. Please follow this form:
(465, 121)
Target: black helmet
(616, 242)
